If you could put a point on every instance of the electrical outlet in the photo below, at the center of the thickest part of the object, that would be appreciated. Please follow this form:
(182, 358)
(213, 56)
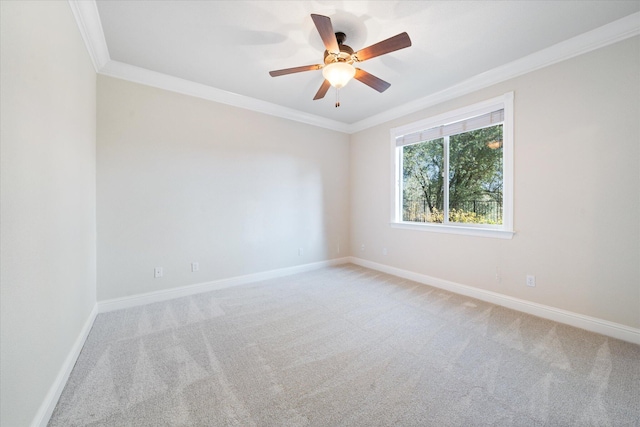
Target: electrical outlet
(531, 280)
(384, 251)
(300, 251)
(157, 272)
(338, 247)
(498, 275)
(195, 266)
(362, 247)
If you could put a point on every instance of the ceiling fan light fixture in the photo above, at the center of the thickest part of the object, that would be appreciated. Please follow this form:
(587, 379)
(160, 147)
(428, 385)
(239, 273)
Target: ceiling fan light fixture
(338, 73)
(338, 69)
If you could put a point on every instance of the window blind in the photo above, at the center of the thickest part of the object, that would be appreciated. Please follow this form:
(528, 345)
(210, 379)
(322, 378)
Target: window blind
(466, 125)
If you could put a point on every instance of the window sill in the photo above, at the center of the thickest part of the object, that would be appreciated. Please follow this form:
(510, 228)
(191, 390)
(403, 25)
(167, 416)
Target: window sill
(455, 229)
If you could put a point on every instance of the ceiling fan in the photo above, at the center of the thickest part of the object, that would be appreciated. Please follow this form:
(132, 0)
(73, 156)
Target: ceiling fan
(338, 68)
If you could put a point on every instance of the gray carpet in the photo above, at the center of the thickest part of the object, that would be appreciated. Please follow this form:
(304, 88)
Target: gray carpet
(345, 346)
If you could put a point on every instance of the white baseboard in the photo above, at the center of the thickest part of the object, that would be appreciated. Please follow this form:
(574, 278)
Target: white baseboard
(49, 404)
(51, 399)
(593, 324)
(183, 291)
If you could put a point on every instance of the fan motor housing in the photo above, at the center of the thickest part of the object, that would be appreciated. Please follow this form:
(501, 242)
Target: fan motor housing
(345, 55)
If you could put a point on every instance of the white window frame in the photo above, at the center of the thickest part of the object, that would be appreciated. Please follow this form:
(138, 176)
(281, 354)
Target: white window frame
(504, 231)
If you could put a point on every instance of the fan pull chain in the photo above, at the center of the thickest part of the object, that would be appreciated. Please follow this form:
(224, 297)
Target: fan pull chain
(337, 98)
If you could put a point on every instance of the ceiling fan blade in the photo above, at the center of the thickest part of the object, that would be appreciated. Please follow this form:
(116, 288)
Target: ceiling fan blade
(371, 80)
(323, 90)
(282, 72)
(396, 42)
(323, 24)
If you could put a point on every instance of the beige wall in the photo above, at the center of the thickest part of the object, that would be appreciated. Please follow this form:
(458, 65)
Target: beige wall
(47, 235)
(181, 179)
(577, 193)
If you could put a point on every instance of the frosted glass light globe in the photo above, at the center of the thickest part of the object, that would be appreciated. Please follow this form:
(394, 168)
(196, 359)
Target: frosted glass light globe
(338, 73)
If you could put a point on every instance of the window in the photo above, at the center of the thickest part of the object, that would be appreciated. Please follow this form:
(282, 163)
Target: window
(454, 173)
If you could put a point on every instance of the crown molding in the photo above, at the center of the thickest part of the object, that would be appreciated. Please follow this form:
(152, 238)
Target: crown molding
(187, 87)
(613, 32)
(90, 26)
(88, 20)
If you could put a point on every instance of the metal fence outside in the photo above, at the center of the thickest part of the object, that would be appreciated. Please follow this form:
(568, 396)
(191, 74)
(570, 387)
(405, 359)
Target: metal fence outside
(487, 211)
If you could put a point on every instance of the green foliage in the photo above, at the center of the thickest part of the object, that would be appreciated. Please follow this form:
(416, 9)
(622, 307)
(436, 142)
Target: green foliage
(455, 215)
(423, 167)
(475, 178)
(475, 171)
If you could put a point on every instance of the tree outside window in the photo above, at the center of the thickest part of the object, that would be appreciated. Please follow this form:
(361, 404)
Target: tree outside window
(473, 193)
(453, 172)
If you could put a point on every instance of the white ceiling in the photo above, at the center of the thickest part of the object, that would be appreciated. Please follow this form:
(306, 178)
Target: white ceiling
(232, 45)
